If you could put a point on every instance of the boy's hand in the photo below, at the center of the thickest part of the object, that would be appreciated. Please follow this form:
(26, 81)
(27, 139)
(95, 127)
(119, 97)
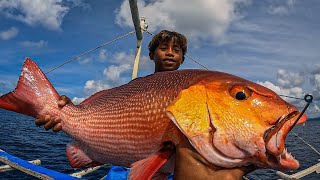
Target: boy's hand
(191, 165)
(54, 123)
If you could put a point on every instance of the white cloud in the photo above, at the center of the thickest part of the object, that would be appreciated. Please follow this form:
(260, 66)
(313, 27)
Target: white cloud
(289, 79)
(78, 3)
(283, 9)
(315, 78)
(128, 58)
(48, 13)
(77, 100)
(113, 72)
(103, 55)
(291, 83)
(315, 81)
(271, 86)
(32, 44)
(316, 69)
(122, 58)
(9, 34)
(85, 60)
(292, 92)
(93, 86)
(198, 19)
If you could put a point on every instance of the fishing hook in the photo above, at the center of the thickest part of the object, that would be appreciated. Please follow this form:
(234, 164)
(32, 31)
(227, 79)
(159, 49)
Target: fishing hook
(308, 98)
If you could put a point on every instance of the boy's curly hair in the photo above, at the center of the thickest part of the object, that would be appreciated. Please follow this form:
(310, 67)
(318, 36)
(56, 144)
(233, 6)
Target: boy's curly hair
(165, 36)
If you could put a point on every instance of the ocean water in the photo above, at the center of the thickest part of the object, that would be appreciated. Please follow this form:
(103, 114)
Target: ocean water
(20, 137)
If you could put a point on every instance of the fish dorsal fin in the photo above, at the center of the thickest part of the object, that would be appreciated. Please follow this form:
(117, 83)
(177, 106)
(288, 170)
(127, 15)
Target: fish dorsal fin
(77, 157)
(94, 97)
(147, 168)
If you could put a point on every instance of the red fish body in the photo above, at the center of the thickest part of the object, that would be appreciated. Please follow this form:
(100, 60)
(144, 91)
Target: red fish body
(130, 123)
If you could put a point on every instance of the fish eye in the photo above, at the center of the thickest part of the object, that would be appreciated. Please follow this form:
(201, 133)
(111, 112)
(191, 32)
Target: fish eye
(241, 95)
(240, 92)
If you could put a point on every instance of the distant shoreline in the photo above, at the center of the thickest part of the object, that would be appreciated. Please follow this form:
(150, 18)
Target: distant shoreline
(314, 119)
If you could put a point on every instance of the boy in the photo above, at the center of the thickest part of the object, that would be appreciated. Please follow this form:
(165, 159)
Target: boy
(167, 49)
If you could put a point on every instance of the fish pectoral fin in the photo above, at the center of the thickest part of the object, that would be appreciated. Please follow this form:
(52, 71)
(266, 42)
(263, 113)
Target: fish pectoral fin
(147, 168)
(78, 158)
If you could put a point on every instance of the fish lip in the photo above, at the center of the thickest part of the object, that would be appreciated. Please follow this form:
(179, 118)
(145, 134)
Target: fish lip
(279, 156)
(278, 125)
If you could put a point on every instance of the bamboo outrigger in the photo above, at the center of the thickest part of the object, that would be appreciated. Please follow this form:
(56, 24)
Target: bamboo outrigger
(301, 174)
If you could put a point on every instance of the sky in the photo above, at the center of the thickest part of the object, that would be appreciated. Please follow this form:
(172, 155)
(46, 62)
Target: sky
(273, 43)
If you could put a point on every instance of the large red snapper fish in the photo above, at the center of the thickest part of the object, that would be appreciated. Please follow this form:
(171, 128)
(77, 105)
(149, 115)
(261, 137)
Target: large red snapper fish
(230, 121)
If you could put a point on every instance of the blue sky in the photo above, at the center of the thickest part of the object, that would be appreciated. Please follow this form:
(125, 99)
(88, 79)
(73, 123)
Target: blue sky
(275, 43)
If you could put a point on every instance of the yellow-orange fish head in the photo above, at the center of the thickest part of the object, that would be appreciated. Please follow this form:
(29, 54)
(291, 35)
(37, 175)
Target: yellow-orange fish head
(233, 122)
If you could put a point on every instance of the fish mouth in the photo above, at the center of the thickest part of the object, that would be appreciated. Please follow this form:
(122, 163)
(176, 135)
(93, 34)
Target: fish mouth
(274, 139)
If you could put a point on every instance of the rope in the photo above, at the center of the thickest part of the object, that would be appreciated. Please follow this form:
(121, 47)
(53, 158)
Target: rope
(102, 45)
(306, 143)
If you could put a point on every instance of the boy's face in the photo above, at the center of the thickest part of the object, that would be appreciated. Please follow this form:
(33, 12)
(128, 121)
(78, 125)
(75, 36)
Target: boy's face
(167, 56)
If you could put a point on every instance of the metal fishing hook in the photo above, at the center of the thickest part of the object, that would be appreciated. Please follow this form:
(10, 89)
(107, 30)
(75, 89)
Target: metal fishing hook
(308, 98)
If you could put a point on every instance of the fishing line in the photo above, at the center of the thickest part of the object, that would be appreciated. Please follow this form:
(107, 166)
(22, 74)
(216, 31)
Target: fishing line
(313, 148)
(100, 46)
(291, 97)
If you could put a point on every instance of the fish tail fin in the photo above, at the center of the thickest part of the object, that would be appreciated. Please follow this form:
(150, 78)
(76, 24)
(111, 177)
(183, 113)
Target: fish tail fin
(34, 94)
